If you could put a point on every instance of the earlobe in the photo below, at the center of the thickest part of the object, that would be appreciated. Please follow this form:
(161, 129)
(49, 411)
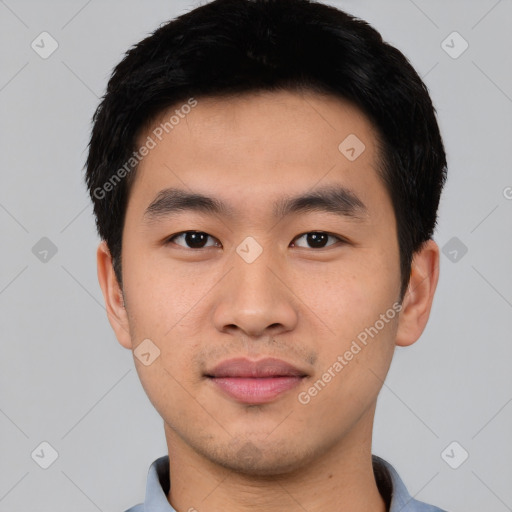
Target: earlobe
(112, 293)
(418, 299)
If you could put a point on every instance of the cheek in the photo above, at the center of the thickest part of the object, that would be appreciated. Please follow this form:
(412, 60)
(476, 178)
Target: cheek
(356, 310)
(162, 295)
(353, 365)
(167, 306)
(350, 294)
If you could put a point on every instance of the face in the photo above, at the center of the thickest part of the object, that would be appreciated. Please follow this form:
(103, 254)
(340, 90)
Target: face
(293, 257)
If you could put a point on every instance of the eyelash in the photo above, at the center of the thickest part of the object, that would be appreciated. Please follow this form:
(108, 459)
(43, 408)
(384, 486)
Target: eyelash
(168, 241)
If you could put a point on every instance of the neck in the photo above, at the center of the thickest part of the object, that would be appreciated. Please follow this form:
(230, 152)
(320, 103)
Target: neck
(342, 478)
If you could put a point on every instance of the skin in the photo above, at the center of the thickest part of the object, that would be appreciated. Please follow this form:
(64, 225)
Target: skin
(295, 302)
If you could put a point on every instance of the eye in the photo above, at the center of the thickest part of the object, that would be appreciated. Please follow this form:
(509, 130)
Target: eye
(192, 239)
(199, 239)
(317, 239)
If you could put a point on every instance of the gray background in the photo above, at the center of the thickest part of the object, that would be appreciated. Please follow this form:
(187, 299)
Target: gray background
(64, 378)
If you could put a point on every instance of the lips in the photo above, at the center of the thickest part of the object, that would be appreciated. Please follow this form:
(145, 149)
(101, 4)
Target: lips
(245, 368)
(255, 382)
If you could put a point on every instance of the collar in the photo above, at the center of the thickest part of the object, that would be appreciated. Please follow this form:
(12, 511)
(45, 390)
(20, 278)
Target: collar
(389, 483)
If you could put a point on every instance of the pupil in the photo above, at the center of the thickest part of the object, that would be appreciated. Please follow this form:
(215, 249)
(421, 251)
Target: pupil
(317, 239)
(195, 239)
(198, 239)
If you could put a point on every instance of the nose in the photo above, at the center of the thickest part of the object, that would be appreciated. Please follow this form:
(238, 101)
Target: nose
(256, 299)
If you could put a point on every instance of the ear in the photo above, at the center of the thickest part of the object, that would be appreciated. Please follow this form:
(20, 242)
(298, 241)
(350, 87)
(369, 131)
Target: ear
(420, 294)
(113, 296)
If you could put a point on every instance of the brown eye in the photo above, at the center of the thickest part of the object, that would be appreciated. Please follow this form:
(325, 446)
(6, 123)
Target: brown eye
(317, 239)
(192, 239)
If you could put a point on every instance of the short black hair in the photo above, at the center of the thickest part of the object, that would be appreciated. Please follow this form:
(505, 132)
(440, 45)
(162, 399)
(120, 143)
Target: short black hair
(228, 48)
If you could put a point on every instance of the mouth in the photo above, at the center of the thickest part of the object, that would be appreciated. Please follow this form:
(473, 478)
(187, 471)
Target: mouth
(255, 382)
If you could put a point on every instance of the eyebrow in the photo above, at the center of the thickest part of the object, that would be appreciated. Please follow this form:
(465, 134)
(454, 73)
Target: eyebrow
(332, 198)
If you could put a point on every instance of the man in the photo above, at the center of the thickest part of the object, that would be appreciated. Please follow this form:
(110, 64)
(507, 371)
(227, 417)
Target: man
(266, 176)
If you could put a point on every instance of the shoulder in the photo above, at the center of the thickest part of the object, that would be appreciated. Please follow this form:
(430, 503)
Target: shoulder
(157, 487)
(394, 490)
(419, 506)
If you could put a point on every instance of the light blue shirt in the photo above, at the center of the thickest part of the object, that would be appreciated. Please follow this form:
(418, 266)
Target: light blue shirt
(389, 483)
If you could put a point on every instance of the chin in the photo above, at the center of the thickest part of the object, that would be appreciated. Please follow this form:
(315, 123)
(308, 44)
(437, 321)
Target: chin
(253, 460)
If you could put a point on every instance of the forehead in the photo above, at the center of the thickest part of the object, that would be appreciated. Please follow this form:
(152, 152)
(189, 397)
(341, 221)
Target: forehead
(252, 148)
